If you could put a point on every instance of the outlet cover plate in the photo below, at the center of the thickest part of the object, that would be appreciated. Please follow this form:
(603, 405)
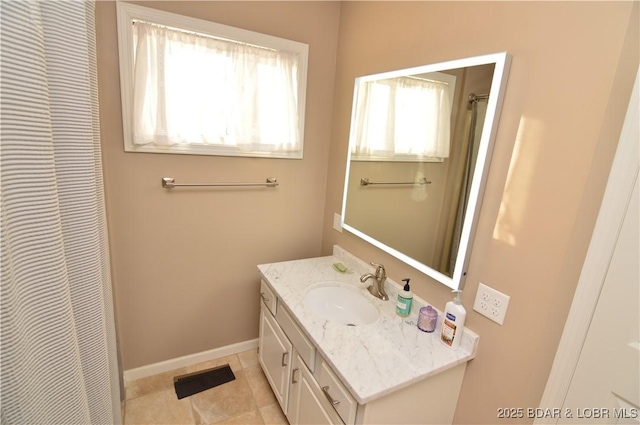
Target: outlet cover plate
(337, 222)
(491, 303)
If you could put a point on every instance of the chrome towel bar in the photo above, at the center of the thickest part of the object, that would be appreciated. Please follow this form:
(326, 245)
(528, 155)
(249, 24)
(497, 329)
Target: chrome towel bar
(364, 181)
(170, 182)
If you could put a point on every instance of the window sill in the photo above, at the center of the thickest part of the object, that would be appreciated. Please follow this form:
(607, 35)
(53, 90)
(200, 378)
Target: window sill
(212, 151)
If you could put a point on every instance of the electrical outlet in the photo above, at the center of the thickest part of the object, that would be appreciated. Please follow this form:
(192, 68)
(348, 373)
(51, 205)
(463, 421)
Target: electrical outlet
(491, 303)
(337, 222)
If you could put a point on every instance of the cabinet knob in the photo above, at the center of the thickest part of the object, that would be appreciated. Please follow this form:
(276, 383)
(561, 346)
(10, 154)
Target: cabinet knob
(285, 356)
(293, 376)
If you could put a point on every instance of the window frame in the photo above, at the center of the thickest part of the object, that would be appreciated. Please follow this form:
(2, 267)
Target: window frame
(127, 13)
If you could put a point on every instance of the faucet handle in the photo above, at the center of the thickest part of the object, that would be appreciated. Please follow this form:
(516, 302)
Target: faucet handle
(380, 271)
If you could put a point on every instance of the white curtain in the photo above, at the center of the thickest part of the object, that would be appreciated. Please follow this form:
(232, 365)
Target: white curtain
(403, 116)
(58, 344)
(194, 89)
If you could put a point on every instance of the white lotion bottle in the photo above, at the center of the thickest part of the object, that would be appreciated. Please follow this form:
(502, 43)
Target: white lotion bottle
(453, 321)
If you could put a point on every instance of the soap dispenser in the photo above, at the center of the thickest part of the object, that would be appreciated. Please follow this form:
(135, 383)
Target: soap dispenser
(405, 297)
(453, 322)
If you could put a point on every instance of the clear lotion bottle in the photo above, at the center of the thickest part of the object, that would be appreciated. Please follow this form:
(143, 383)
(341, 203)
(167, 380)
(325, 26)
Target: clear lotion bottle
(453, 321)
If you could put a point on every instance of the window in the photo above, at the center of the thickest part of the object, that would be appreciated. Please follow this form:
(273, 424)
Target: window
(196, 87)
(405, 118)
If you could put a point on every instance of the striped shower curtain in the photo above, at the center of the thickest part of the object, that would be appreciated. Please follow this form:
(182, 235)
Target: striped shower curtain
(58, 344)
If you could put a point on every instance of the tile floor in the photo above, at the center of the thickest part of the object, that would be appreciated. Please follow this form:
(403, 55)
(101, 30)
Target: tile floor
(247, 400)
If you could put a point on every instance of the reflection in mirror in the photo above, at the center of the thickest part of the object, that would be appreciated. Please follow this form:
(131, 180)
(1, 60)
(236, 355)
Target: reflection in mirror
(419, 149)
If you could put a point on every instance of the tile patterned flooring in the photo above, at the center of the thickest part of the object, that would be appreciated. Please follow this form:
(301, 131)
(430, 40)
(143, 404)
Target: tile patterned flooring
(247, 400)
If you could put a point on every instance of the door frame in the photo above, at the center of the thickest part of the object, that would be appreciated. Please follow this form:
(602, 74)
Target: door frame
(616, 199)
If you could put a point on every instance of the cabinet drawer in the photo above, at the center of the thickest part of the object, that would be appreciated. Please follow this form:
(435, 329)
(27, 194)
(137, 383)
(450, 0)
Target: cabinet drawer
(337, 394)
(305, 348)
(269, 298)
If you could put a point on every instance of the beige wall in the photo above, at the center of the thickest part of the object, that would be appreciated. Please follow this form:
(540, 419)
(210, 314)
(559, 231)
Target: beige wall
(184, 261)
(571, 76)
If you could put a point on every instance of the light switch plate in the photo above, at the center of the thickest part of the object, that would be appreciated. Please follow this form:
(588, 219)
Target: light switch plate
(491, 303)
(337, 222)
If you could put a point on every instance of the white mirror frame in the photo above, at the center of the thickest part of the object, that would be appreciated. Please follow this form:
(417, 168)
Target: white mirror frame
(502, 62)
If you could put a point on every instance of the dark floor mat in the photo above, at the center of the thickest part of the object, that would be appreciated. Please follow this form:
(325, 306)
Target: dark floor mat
(194, 383)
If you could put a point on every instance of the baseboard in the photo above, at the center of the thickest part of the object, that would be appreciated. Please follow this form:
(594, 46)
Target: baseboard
(167, 365)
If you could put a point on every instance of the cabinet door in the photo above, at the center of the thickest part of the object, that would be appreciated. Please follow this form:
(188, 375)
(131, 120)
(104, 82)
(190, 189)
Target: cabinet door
(306, 405)
(275, 356)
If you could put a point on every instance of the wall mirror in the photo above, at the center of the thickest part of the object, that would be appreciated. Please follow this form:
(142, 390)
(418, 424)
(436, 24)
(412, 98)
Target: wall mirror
(419, 150)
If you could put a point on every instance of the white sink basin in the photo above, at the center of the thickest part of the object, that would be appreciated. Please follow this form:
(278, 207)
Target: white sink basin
(340, 304)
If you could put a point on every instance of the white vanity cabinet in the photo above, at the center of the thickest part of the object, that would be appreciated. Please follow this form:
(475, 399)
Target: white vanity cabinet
(296, 389)
(310, 392)
(288, 367)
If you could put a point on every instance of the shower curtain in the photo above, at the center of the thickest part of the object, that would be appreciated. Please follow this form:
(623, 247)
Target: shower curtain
(58, 344)
(473, 131)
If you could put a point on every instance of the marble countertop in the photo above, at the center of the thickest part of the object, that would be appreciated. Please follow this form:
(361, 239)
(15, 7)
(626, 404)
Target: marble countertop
(371, 360)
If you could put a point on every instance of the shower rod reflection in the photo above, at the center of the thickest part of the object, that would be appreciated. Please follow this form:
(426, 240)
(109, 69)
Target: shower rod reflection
(170, 183)
(477, 97)
(364, 181)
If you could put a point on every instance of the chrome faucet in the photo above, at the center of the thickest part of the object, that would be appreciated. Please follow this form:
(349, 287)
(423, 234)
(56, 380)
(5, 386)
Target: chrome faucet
(377, 288)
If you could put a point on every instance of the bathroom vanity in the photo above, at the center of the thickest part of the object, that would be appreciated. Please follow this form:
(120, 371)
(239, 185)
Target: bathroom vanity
(365, 366)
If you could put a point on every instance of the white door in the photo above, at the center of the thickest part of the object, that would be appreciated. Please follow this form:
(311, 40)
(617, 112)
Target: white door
(595, 376)
(274, 351)
(307, 406)
(606, 384)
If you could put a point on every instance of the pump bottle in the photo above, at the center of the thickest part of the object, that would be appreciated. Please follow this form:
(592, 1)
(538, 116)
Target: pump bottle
(405, 297)
(453, 321)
